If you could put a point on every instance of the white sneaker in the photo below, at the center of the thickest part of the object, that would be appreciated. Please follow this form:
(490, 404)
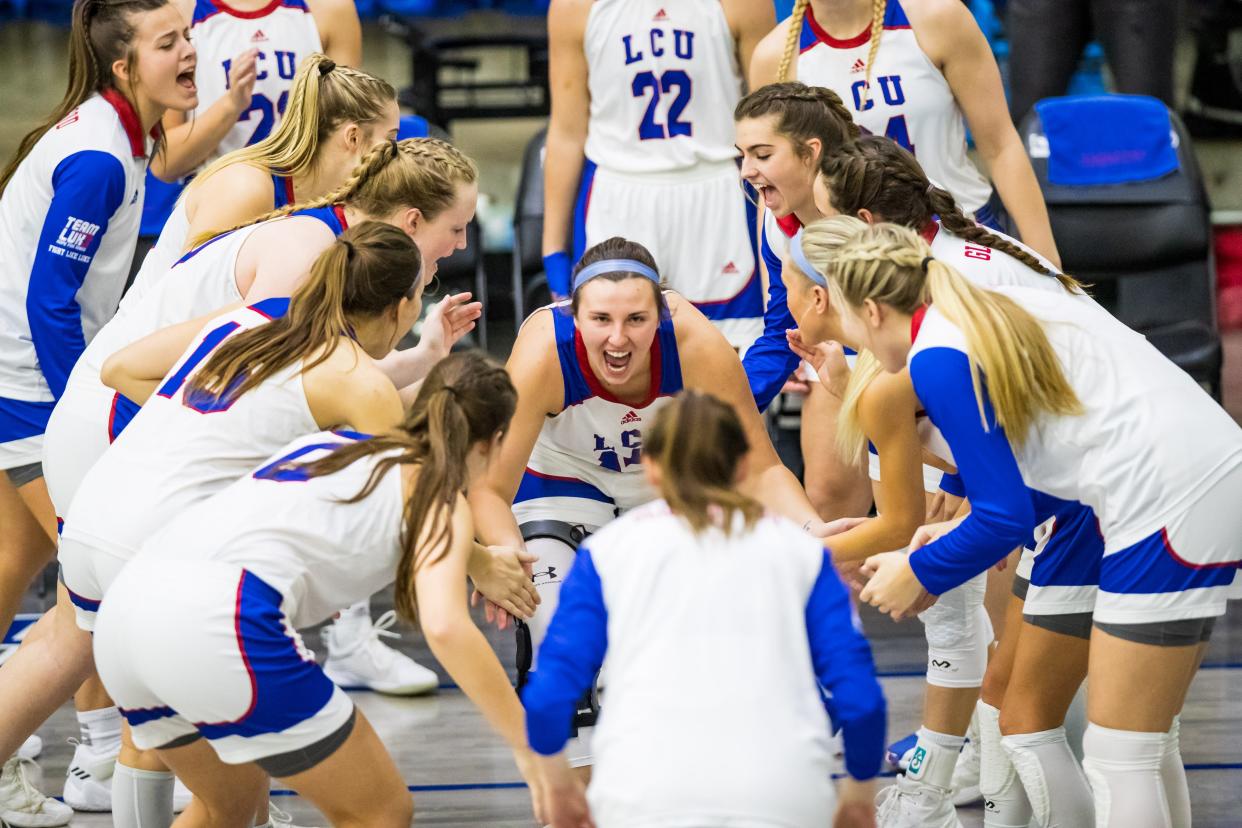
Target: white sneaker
(278, 818)
(357, 658)
(88, 781)
(22, 805)
(966, 775)
(911, 804)
(31, 748)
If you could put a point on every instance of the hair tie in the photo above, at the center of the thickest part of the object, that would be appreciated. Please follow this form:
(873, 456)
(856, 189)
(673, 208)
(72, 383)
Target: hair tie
(804, 264)
(603, 266)
(930, 187)
(926, 261)
(327, 66)
(349, 249)
(396, 147)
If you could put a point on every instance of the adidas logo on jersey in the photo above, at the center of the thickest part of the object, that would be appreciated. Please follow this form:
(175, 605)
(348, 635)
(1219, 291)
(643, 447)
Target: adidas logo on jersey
(631, 417)
(729, 269)
(258, 37)
(660, 16)
(858, 66)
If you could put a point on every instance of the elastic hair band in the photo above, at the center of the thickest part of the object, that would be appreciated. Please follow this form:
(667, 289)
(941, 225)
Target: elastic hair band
(326, 67)
(799, 258)
(614, 266)
(926, 261)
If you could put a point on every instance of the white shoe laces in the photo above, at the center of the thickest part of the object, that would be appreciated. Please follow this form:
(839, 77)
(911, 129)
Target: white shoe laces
(15, 774)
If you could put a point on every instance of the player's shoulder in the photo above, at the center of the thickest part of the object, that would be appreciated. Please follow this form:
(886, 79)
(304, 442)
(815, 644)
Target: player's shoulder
(92, 125)
(327, 12)
(765, 62)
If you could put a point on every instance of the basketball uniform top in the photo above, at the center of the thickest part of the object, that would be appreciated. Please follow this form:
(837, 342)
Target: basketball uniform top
(178, 450)
(171, 244)
(68, 225)
(592, 448)
(202, 281)
(295, 533)
(285, 34)
(663, 78)
(1147, 444)
(629, 592)
(910, 100)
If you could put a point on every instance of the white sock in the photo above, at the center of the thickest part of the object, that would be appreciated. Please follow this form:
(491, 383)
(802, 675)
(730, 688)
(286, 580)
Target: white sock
(100, 730)
(1055, 784)
(935, 755)
(1005, 802)
(1173, 775)
(141, 798)
(1123, 767)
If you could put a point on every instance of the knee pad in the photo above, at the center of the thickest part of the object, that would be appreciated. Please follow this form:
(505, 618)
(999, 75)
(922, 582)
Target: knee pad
(1125, 763)
(958, 638)
(1004, 799)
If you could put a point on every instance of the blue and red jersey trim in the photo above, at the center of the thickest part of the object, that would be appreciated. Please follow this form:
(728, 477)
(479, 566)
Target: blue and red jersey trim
(813, 33)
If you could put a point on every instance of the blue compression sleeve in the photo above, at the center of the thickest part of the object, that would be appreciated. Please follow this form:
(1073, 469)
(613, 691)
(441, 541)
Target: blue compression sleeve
(843, 665)
(557, 268)
(570, 656)
(769, 362)
(951, 484)
(88, 188)
(1002, 516)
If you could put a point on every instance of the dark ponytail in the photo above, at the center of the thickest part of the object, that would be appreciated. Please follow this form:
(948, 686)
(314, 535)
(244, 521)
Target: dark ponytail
(102, 33)
(466, 399)
(879, 175)
(697, 442)
(367, 270)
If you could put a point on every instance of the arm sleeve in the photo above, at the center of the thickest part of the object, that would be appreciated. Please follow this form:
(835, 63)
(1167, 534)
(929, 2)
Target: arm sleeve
(570, 656)
(843, 665)
(769, 362)
(87, 189)
(1001, 515)
(951, 484)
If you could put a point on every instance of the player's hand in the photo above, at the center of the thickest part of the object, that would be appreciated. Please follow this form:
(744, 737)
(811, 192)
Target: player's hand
(820, 529)
(851, 574)
(892, 587)
(828, 360)
(449, 320)
(532, 774)
(505, 580)
(565, 798)
(242, 74)
(855, 804)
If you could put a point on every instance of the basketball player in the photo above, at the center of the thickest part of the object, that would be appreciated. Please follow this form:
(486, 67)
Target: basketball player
(643, 148)
(725, 759)
(70, 202)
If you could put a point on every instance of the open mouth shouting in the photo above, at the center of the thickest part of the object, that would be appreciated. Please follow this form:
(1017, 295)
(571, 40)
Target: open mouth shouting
(616, 363)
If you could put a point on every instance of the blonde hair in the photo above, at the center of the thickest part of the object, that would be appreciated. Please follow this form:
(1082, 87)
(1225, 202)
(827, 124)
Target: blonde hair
(794, 35)
(416, 172)
(885, 263)
(324, 96)
(820, 242)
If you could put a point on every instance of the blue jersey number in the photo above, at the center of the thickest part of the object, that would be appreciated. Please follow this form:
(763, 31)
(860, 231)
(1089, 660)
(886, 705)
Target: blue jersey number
(665, 84)
(898, 132)
(630, 454)
(202, 403)
(267, 111)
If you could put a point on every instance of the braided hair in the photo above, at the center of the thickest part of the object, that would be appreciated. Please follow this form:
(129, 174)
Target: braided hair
(794, 35)
(804, 112)
(879, 175)
(416, 172)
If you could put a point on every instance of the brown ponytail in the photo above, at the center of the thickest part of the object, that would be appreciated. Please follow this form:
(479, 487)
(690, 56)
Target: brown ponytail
(416, 172)
(881, 176)
(367, 270)
(697, 442)
(803, 112)
(102, 33)
(791, 40)
(466, 399)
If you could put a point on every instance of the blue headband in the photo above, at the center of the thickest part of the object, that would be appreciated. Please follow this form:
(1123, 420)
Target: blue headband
(799, 258)
(614, 266)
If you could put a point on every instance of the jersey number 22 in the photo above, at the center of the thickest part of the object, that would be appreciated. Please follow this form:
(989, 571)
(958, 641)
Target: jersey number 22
(673, 79)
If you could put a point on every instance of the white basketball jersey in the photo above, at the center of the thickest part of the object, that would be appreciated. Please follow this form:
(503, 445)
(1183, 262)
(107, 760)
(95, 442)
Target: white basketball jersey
(592, 449)
(988, 267)
(285, 34)
(1134, 456)
(296, 533)
(663, 80)
(178, 451)
(909, 101)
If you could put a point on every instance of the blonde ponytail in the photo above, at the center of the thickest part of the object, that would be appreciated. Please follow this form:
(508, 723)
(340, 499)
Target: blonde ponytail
(878, 9)
(851, 437)
(324, 96)
(1007, 345)
(791, 40)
